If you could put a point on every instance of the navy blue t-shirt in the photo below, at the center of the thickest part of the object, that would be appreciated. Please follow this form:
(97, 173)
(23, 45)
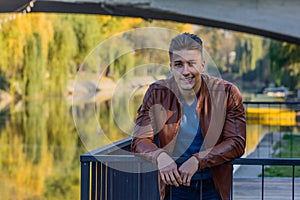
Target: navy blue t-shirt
(190, 139)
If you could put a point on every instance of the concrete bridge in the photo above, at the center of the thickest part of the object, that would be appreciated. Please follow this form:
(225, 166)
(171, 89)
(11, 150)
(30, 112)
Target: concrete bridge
(277, 19)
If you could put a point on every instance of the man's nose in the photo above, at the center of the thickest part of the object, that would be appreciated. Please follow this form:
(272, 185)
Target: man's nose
(186, 69)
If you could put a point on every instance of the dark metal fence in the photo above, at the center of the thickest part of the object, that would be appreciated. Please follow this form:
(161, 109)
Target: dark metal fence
(102, 179)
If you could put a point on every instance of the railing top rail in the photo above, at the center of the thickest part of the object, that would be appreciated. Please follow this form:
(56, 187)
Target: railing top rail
(109, 148)
(266, 161)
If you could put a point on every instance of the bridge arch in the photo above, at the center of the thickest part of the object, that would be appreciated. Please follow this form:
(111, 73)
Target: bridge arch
(277, 19)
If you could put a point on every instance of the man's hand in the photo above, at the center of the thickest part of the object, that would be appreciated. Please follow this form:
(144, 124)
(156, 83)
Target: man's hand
(188, 169)
(168, 170)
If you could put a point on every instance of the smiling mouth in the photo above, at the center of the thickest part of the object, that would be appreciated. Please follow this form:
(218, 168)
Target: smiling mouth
(187, 79)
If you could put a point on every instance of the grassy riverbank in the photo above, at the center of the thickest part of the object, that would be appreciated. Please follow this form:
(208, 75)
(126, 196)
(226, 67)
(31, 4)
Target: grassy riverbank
(288, 147)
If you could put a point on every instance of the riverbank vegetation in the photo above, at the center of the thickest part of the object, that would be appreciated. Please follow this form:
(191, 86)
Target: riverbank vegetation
(41, 52)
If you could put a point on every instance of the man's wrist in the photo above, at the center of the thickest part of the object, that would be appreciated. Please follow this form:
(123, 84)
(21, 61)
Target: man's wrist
(161, 155)
(155, 154)
(195, 158)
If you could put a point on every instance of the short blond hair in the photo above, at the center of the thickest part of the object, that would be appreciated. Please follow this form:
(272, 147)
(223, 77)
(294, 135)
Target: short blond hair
(185, 41)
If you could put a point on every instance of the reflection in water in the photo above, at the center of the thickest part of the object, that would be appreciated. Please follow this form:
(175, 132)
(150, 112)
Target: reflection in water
(40, 147)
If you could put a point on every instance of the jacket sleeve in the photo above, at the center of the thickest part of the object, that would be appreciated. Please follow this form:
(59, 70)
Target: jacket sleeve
(232, 141)
(143, 137)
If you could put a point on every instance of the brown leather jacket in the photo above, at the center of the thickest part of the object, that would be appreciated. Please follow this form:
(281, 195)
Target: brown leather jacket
(222, 119)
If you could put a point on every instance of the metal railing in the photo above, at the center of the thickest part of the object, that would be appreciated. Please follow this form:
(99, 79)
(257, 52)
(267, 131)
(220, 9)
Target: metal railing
(101, 180)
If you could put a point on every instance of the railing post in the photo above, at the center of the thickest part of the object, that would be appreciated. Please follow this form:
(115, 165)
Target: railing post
(231, 192)
(262, 181)
(139, 181)
(99, 181)
(110, 182)
(94, 186)
(293, 183)
(85, 181)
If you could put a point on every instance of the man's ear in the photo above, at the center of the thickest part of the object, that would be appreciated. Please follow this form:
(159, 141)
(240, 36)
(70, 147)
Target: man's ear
(203, 66)
(171, 68)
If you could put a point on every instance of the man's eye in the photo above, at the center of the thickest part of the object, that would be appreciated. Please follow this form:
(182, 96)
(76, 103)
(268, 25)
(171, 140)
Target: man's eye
(178, 65)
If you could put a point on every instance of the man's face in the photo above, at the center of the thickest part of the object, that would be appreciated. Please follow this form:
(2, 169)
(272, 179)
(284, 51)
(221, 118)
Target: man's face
(186, 67)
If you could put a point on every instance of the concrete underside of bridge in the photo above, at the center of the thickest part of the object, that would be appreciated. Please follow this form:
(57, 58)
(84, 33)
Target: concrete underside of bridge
(277, 19)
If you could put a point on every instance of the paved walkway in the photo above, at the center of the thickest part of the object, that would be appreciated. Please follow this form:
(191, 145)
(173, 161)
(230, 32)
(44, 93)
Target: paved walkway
(274, 189)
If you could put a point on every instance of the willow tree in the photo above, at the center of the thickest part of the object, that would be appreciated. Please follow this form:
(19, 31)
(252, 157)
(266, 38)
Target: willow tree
(12, 50)
(86, 30)
(20, 36)
(34, 67)
(62, 50)
(285, 63)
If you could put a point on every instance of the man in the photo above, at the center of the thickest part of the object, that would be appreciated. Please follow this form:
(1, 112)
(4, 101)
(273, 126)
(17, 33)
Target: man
(195, 117)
